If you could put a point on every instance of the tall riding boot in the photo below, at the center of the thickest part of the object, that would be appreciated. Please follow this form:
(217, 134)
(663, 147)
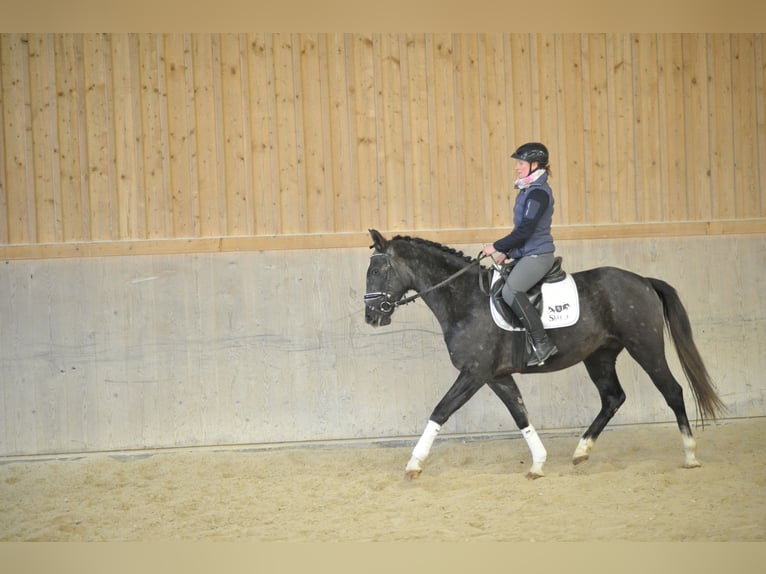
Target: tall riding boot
(541, 345)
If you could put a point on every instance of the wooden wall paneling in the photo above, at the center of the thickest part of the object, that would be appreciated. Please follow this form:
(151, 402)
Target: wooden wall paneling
(45, 159)
(720, 114)
(208, 140)
(522, 116)
(445, 141)
(70, 94)
(3, 184)
(314, 110)
(237, 159)
(572, 130)
(697, 125)
(362, 96)
(621, 128)
(179, 133)
(418, 122)
(130, 221)
(648, 155)
(471, 127)
(346, 210)
(745, 166)
(99, 112)
(394, 194)
(760, 89)
(262, 129)
(19, 184)
(597, 187)
(156, 158)
(291, 206)
(496, 181)
(672, 134)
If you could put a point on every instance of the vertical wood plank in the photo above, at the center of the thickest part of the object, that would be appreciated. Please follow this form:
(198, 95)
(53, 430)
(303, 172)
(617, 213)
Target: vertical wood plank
(672, 133)
(3, 183)
(621, 128)
(361, 88)
(746, 200)
(760, 88)
(239, 200)
(346, 210)
(522, 110)
(180, 134)
(262, 126)
(445, 165)
(494, 142)
(470, 127)
(292, 206)
(319, 203)
(648, 157)
(720, 117)
(570, 199)
(395, 196)
(545, 97)
(19, 182)
(597, 190)
(154, 146)
(130, 203)
(209, 152)
(99, 113)
(417, 138)
(44, 125)
(697, 126)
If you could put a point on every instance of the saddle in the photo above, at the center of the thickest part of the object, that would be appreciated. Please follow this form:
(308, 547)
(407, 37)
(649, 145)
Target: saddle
(555, 274)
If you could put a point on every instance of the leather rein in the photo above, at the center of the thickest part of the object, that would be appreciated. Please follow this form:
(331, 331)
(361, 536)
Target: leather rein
(383, 302)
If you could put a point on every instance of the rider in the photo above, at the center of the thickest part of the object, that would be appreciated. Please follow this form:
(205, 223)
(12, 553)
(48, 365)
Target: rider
(530, 243)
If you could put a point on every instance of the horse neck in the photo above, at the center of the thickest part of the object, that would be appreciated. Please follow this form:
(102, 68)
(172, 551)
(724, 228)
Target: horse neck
(431, 269)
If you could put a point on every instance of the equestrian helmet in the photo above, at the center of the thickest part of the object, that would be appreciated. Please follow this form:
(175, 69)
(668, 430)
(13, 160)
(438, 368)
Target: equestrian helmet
(532, 152)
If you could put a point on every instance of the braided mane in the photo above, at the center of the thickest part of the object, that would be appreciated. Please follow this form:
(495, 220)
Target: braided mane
(433, 244)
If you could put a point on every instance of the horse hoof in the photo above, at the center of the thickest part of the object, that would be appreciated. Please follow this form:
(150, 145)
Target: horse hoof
(695, 464)
(412, 474)
(579, 459)
(534, 475)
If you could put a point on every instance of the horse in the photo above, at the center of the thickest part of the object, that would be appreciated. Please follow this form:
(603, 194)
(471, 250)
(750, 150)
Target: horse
(619, 310)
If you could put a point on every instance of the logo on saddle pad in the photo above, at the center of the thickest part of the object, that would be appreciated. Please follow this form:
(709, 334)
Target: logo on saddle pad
(560, 305)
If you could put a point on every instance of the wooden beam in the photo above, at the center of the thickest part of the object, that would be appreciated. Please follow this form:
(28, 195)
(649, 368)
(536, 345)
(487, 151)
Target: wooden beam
(362, 239)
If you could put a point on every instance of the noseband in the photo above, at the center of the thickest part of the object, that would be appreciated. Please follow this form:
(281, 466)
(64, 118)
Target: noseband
(384, 303)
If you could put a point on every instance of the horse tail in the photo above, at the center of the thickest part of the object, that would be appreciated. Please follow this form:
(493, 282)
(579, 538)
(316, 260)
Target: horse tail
(677, 321)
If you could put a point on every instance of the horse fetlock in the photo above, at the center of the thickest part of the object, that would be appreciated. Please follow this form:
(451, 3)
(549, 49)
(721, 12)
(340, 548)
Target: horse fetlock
(582, 452)
(414, 468)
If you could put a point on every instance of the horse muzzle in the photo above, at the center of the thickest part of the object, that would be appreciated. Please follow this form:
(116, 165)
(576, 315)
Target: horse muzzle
(378, 308)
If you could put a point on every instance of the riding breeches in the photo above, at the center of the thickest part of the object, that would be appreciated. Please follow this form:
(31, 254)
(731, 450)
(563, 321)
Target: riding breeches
(526, 273)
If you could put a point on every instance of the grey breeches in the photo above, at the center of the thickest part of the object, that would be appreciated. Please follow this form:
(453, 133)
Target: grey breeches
(528, 271)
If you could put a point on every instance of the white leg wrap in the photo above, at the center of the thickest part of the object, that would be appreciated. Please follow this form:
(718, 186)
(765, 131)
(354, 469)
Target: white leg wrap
(423, 447)
(539, 454)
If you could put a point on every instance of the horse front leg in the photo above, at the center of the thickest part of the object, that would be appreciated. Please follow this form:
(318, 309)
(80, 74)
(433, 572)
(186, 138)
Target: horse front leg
(508, 392)
(464, 387)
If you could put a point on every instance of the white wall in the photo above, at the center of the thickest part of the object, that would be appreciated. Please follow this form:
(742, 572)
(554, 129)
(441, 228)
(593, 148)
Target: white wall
(163, 351)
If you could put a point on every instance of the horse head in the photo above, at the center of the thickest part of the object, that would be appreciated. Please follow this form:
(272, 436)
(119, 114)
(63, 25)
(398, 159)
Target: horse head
(385, 285)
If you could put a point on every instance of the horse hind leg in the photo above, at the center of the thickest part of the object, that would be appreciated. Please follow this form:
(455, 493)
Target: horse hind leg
(601, 367)
(656, 366)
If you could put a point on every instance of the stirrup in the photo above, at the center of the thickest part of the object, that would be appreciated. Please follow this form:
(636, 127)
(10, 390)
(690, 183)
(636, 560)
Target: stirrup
(536, 361)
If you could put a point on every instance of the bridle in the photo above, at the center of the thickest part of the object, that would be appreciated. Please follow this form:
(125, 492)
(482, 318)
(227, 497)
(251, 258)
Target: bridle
(383, 302)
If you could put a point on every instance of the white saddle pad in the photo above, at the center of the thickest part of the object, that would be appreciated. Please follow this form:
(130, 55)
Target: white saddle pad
(561, 305)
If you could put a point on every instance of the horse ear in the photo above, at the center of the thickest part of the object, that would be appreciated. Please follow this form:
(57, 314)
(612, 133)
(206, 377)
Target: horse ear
(378, 241)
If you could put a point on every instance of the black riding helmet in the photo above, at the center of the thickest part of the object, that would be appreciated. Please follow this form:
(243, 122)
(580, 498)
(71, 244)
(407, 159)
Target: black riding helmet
(532, 152)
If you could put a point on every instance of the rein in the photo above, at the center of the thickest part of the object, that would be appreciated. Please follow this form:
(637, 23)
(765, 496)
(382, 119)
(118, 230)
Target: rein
(384, 302)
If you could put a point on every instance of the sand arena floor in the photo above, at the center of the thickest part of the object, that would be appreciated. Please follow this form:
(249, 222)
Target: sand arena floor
(632, 489)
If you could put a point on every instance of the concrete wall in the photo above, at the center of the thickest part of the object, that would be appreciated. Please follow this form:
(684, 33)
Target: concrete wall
(180, 350)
